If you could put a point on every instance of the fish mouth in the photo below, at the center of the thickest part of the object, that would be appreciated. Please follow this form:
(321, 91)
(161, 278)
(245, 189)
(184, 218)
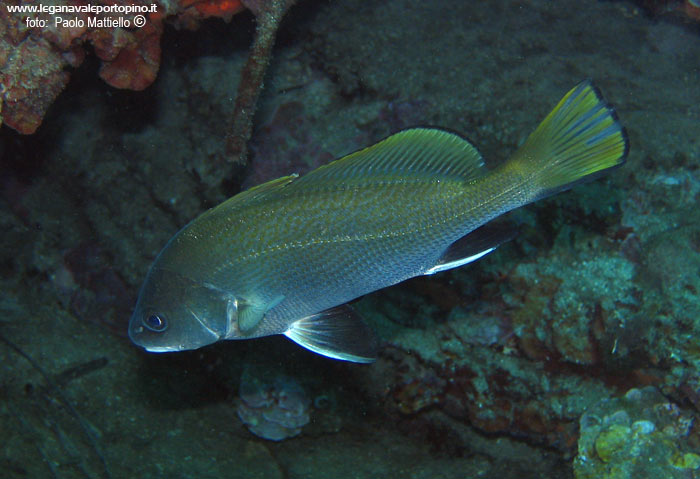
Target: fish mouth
(136, 334)
(162, 342)
(162, 349)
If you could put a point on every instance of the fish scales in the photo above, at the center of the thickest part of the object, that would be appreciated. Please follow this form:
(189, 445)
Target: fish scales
(388, 237)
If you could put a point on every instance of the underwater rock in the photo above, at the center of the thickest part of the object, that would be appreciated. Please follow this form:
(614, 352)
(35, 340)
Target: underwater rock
(639, 435)
(686, 10)
(273, 408)
(97, 292)
(574, 308)
(285, 144)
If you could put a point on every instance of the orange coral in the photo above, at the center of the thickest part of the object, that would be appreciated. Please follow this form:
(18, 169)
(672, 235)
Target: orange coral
(215, 8)
(130, 60)
(33, 61)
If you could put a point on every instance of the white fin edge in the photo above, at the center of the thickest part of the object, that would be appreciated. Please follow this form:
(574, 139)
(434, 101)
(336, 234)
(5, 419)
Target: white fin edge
(328, 352)
(337, 333)
(455, 264)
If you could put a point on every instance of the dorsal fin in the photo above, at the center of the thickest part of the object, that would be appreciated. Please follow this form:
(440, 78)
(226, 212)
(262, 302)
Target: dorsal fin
(245, 198)
(417, 152)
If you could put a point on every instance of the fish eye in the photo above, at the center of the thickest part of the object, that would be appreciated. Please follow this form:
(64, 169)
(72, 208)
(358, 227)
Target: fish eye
(155, 322)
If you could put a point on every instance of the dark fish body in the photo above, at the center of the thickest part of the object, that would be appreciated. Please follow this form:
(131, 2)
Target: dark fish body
(277, 259)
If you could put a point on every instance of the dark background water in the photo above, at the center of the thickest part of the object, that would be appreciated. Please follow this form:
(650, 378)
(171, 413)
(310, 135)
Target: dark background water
(494, 370)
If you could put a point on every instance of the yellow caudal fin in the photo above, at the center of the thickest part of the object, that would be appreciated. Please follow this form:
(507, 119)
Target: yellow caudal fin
(578, 141)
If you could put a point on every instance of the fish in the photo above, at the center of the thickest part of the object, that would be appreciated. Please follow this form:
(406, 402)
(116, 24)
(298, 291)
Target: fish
(285, 257)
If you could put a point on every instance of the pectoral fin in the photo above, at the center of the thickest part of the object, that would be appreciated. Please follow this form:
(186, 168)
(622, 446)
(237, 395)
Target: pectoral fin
(338, 333)
(250, 313)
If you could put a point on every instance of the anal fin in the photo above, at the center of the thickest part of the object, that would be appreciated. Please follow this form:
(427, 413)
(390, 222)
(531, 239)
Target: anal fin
(338, 333)
(474, 245)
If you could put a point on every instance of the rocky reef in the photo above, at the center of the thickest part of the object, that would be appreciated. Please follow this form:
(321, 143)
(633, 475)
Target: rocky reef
(570, 351)
(641, 434)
